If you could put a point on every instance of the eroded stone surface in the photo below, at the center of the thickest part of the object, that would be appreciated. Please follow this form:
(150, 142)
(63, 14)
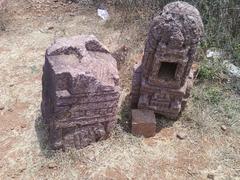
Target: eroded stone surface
(162, 81)
(80, 92)
(143, 123)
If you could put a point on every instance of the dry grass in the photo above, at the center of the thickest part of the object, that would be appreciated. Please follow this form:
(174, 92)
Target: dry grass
(24, 152)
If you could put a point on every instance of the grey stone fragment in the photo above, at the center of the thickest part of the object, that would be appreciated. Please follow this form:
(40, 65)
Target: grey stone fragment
(181, 135)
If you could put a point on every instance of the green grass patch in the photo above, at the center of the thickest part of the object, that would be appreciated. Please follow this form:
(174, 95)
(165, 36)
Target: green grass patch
(236, 54)
(213, 95)
(207, 72)
(211, 69)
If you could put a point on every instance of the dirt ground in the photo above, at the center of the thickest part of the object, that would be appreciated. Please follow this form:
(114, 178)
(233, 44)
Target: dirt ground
(210, 150)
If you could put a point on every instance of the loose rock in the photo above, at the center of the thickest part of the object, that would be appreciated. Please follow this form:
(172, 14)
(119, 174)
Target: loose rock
(223, 127)
(52, 165)
(232, 69)
(23, 126)
(10, 110)
(210, 176)
(120, 55)
(181, 135)
(50, 28)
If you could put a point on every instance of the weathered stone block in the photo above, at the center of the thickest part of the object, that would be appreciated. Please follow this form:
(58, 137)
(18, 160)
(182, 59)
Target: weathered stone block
(80, 92)
(143, 123)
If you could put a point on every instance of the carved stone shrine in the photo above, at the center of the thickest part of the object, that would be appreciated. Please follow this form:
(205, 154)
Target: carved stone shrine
(162, 81)
(80, 92)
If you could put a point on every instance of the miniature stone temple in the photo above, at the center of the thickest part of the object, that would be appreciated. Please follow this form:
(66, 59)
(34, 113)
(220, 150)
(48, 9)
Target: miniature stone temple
(162, 81)
(80, 92)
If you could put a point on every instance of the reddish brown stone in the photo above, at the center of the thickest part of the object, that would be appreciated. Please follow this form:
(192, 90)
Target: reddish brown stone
(120, 55)
(143, 123)
(80, 92)
(163, 80)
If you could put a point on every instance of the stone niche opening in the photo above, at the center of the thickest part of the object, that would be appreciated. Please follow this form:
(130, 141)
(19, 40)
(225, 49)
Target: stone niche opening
(167, 70)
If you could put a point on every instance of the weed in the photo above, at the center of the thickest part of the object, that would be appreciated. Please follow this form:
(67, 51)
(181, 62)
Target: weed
(213, 95)
(34, 69)
(206, 72)
(211, 69)
(236, 53)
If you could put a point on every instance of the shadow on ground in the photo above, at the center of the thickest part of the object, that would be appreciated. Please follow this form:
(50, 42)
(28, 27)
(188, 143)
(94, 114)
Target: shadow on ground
(163, 122)
(125, 114)
(42, 136)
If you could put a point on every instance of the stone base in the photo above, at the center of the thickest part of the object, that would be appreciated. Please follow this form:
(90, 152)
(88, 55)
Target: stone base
(166, 101)
(143, 123)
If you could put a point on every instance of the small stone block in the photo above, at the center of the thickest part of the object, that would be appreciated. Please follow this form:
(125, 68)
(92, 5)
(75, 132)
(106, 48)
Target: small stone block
(143, 123)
